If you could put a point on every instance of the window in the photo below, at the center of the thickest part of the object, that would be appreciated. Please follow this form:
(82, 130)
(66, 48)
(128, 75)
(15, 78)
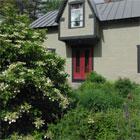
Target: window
(51, 50)
(76, 15)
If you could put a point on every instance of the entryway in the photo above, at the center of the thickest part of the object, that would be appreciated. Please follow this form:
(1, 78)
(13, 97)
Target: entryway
(82, 62)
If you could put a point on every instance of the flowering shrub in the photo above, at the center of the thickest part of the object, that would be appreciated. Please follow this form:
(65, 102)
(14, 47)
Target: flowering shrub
(33, 87)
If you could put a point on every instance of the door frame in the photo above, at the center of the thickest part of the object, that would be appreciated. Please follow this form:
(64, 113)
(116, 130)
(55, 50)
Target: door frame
(92, 59)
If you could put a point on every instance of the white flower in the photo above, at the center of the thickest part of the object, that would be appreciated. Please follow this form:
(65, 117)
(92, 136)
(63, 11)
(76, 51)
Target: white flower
(91, 121)
(5, 119)
(13, 120)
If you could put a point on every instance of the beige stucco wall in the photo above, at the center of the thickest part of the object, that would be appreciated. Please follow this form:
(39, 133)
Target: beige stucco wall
(116, 54)
(61, 50)
(87, 30)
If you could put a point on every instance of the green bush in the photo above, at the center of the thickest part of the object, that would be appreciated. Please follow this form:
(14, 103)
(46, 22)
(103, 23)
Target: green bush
(133, 99)
(124, 86)
(96, 78)
(102, 113)
(81, 124)
(73, 126)
(37, 135)
(33, 84)
(98, 97)
(113, 125)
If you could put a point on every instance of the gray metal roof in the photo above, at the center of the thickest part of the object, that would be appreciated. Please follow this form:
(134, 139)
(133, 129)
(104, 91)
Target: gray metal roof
(118, 10)
(121, 9)
(48, 20)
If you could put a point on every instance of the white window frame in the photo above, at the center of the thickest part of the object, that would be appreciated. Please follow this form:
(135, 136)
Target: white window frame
(78, 17)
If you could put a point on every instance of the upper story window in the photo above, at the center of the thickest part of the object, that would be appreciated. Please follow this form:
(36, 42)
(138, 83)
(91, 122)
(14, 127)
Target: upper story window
(76, 15)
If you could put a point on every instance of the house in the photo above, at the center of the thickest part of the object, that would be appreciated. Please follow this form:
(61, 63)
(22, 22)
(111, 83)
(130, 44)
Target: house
(103, 37)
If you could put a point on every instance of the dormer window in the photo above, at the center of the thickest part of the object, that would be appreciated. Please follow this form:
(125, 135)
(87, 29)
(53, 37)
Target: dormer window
(76, 15)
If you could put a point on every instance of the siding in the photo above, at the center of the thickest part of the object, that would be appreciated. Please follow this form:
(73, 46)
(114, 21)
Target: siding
(61, 50)
(87, 30)
(116, 54)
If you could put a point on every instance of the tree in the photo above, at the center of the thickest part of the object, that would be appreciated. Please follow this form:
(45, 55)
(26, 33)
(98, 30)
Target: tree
(37, 8)
(34, 8)
(41, 7)
(33, 87)
(53, 4)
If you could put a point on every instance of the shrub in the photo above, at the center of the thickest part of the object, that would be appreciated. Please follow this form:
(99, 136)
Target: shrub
(81, 124)
(96, 78)
(34, 136)
(33, 85)
(98, 97)
(73, 126)
(101, 114)
(113, 125)
(133, 99)
(124, 86)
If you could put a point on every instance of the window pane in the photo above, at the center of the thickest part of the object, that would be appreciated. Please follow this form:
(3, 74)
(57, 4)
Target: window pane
(87, 55)
(76, 15)
(77, 61)
(81, 23)
(75, 23)
(51, 50)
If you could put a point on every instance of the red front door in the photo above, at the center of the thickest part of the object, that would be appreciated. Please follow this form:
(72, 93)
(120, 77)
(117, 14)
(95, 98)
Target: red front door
(82, 62)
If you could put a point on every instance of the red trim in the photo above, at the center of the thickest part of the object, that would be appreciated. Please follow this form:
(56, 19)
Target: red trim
(79, 72)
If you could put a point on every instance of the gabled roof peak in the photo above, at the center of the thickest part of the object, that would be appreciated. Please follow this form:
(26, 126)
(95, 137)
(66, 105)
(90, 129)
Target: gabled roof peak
(121, 9)
(64, 2)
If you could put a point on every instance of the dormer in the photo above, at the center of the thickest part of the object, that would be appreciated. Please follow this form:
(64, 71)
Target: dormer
(77, 20)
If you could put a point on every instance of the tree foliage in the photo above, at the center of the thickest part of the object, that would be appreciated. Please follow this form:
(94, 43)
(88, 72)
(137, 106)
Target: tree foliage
(33, 87)
(34, 8)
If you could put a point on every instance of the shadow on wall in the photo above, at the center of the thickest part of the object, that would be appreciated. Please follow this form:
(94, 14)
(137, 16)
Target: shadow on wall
(68, 51)
(119, 24)
(98, 49)
(97, 45)
(52, 30)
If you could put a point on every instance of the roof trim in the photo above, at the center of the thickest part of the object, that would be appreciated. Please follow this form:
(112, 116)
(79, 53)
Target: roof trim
(112, 11)
(93, 7)
(61, 9)
(64, 3)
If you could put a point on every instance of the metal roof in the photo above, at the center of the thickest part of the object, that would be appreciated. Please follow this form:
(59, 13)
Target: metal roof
(118, 10)
(48, 20)
(121, 9)
(61, 9)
